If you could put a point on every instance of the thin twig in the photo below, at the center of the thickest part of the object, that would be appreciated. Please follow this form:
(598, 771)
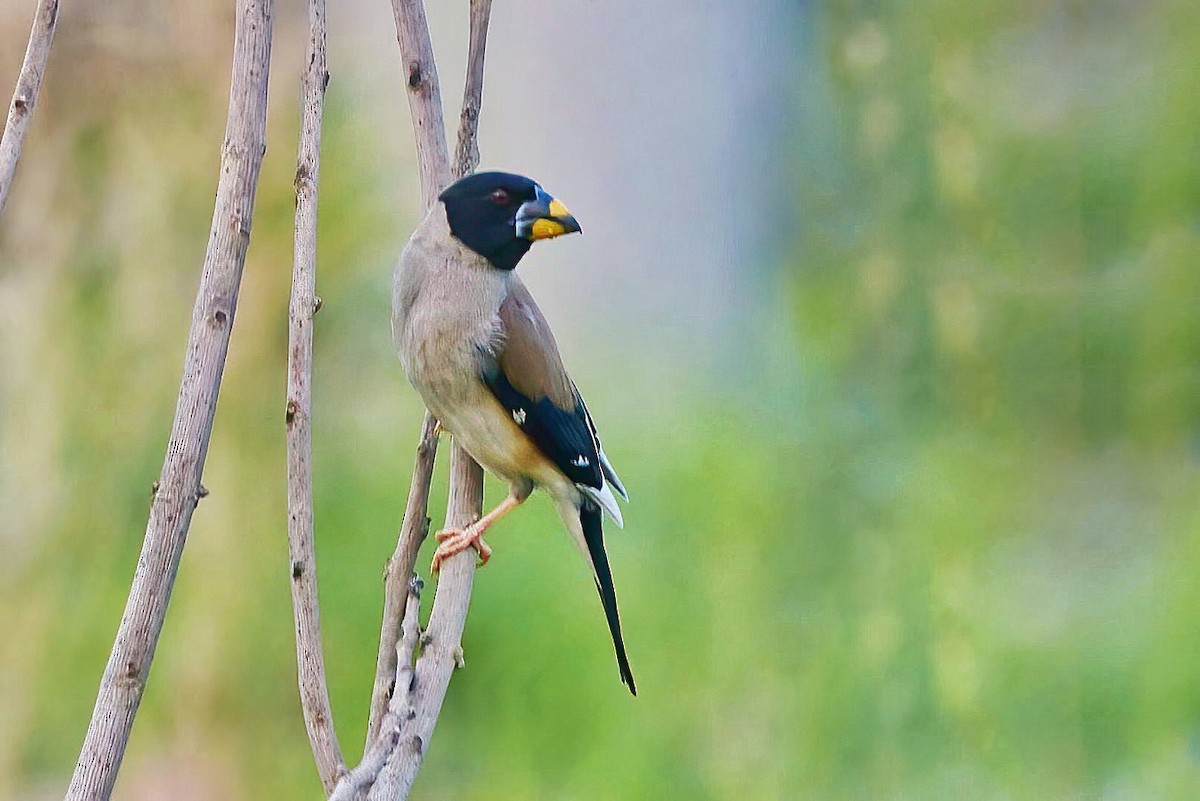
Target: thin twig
(178, 489)
(424, 98)
(466, 154)
(310, 661)
(29, 82)
(413, 531)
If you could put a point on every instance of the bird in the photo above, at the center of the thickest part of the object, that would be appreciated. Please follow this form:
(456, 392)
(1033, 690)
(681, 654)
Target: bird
(480, 353)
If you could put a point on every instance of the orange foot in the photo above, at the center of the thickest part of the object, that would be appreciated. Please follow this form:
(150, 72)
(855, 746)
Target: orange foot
(455, 541)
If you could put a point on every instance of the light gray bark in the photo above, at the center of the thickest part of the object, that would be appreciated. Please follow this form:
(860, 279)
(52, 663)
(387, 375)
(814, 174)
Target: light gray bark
(29, 82)
(178, 490)
(399, 708)
(466, 154)
(424, 98)
(310, 662)
(441, 644)
(413, 531)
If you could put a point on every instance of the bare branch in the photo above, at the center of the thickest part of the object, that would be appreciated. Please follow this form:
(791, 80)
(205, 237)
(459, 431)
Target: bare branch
(466, 154)
(178, 489)
(310, 661)
(29, 82)
(413, 531)
(424, 98)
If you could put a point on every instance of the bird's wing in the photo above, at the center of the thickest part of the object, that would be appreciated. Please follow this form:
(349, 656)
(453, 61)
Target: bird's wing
(525, 372)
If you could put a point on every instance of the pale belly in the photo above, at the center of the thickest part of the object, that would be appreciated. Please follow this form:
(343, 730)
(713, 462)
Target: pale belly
(486, 430)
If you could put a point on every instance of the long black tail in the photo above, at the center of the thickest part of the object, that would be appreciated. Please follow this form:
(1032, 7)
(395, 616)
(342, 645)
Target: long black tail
(593, 534)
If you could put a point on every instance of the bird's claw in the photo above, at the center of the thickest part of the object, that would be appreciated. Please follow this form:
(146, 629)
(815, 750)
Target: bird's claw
(454, 541)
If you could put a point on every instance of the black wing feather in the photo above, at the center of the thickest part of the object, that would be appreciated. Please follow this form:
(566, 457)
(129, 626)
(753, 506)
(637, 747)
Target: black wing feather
(564, 436)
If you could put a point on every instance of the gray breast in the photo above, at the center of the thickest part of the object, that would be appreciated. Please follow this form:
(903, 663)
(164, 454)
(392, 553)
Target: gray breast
(445, 303)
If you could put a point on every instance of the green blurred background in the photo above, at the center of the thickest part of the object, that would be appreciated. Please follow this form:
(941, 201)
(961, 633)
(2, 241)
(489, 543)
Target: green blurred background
(888, 313)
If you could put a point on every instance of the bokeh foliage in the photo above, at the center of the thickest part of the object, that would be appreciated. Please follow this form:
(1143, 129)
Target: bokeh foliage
(935, 538)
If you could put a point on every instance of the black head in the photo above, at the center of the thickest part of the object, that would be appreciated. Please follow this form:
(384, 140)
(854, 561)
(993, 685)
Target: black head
(500, 215)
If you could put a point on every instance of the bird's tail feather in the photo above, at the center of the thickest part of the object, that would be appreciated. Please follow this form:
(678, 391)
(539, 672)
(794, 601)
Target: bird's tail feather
(590, 519)
(604, 498)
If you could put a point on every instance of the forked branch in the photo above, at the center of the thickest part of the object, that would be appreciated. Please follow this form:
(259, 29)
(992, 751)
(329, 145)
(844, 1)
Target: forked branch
(442, 651)
(399, 709)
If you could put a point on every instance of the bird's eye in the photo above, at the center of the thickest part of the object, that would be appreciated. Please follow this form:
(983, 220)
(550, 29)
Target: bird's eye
(500, 197)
